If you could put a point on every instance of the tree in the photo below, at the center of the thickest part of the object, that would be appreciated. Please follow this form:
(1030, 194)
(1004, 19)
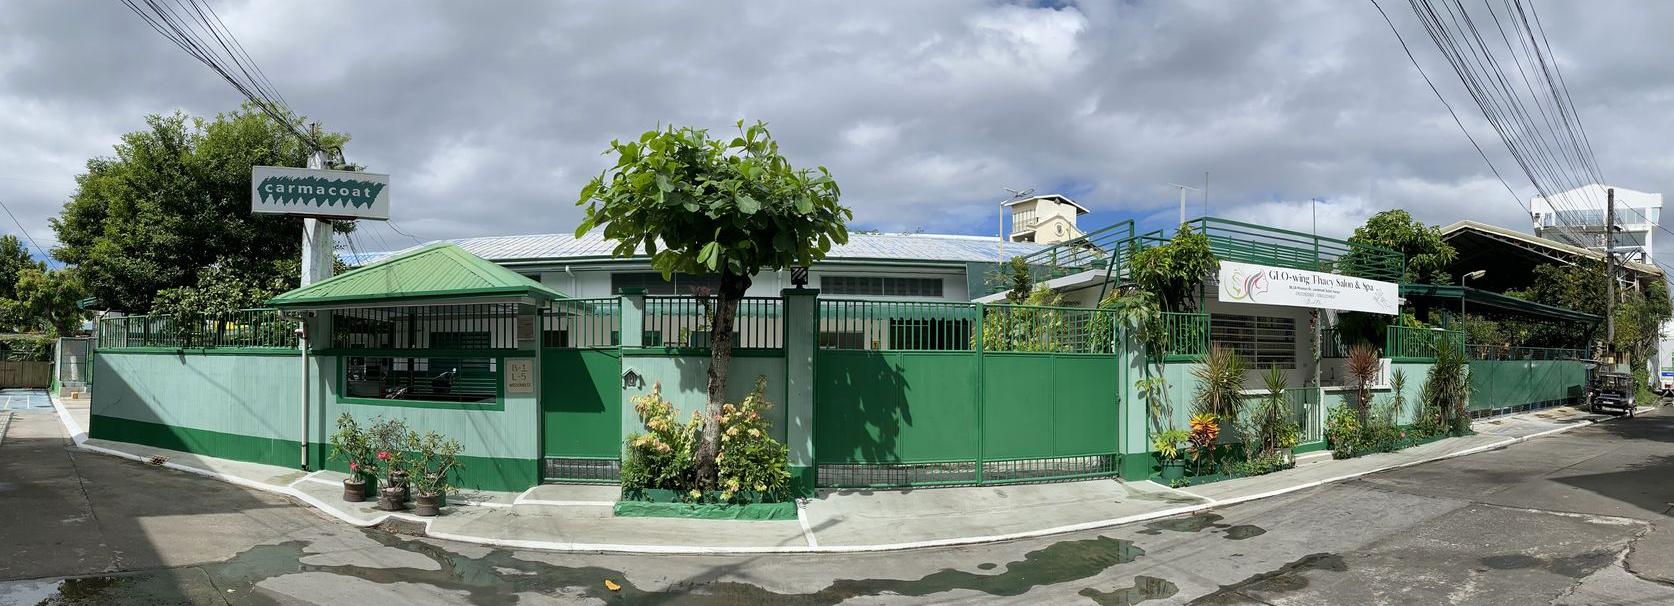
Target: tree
(174, 199)
(1173, 272)
(14, 259)
(222, 288)
(48, 299)
(1640, 313)
(702, 205)
(1427, 254)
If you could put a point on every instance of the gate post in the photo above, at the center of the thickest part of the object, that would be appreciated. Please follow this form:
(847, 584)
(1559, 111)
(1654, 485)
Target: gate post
(1133, 439)
(801, 326)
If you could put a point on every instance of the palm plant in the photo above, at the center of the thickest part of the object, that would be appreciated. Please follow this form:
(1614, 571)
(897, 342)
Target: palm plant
(1363, 364)
(1220, 385)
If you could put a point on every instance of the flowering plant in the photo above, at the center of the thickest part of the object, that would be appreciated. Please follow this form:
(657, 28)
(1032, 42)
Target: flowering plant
(750, 459)
(389, 438)
(664, 455)
(1205, 430)
(351, 444)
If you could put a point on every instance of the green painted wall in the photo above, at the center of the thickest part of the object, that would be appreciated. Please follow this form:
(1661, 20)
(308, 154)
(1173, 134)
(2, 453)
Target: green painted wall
(685, 381)
(581, 405)
(1504, 383)
(895, 407)
(248, 395)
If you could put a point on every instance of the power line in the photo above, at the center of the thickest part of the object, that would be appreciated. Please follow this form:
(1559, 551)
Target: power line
(25, 232)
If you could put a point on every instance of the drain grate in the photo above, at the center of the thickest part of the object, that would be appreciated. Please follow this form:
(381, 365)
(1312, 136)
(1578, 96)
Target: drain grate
(560, 469)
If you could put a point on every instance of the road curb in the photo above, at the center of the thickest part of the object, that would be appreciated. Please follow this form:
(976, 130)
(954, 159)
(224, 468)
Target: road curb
(80, 439)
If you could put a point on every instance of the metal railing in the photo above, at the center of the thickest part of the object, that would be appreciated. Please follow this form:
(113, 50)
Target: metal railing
(1499, 352)
(898, 325)
(1106, 248)
(1030, 328)
(473, 326)
(686, 322)
(1413, 342)
(1184, 334)
(582, 323)
(1249, 243)
(245, 328)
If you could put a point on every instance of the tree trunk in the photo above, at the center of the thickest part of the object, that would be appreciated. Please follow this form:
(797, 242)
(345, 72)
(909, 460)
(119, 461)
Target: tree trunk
(720, 357)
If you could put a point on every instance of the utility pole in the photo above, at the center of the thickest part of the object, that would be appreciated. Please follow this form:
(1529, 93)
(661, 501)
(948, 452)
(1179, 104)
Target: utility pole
(1610, 272)
(316, 233)
(1183, 189)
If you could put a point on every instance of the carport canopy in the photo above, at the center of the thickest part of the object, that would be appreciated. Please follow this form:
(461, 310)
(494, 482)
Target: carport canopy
(1448, 297)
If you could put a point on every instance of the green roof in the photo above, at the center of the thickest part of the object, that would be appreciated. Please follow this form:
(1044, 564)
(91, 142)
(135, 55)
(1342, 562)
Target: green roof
(440, 271)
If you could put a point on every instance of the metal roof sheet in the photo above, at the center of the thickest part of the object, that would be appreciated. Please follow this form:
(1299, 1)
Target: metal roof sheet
(434, 271)
(861, 246)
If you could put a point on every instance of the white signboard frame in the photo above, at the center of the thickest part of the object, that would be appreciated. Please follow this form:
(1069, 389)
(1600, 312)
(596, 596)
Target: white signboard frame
(327, 194)
(1265, 285)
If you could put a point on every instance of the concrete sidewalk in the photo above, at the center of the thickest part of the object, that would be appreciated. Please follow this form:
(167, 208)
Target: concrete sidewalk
(578, 518)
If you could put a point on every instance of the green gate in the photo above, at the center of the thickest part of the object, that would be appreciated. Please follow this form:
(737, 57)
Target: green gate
(934, 393)
(581, 392)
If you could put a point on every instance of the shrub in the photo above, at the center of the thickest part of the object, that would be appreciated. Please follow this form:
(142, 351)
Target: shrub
(1363, 365)
(750, 459)
(389, 439)
(1261, 464)
(1205, 430)
(1169, 442)
(1342, 428)
(1447, 388)
(663, 457)
(1270, 430)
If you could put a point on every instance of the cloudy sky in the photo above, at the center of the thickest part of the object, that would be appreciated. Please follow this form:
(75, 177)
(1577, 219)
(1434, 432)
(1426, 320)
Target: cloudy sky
(490, 120)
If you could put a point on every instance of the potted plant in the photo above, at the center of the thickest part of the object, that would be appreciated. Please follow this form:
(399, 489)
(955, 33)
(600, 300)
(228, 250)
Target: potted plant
(351, 445)
(428, 468)
(1167, 444)
(389, 438)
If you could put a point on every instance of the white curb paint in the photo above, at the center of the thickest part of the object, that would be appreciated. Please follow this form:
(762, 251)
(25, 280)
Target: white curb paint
(5, 423)
(802, 518)
(546, 503)
(81, 437)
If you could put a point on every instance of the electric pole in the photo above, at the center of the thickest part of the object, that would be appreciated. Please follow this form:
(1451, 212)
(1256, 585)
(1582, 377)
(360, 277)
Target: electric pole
(1610, 272)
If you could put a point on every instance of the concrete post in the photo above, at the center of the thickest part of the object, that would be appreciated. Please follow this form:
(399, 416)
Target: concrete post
(1132, 414)
(801, 343)
(632, 326)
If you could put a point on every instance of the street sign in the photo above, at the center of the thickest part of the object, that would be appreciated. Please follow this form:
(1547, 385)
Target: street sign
(332, 194)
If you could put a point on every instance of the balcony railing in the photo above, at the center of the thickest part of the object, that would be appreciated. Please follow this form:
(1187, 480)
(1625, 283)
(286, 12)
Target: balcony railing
(1419, 343)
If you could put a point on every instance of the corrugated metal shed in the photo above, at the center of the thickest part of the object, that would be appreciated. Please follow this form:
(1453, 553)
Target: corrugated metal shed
(893, 247)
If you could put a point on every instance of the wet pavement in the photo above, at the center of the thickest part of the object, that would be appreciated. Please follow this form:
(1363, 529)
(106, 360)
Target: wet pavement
(1554, 520)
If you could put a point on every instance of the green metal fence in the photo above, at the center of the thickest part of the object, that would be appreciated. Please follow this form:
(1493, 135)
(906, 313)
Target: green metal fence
(898, 325)
(1497, 352)
(1184, 334)
(686, 322)
(1406, 342)
(245, 328)
(911, 393)
(582, 323)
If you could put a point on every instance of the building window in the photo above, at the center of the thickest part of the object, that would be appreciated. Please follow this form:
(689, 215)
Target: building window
(1262, 341)
(881, 286)
(454, 380)
(654, 284)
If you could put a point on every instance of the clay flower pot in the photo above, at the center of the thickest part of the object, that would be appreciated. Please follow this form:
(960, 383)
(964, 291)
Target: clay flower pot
(354, 489)
(398, 479)
(427, 504)
(392, 499)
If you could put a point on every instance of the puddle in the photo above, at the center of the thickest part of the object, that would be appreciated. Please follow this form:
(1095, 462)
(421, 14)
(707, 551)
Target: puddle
(1289, 577)
(1576, 566)
(496, 578)
(1144, 588)
(1201, 522)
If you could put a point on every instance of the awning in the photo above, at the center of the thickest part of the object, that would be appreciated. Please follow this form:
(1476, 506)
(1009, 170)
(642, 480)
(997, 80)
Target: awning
(1484, 300)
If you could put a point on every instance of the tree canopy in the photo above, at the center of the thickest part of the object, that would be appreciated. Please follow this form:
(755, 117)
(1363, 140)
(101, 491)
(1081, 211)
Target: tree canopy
(1427, 254)
(702, 205)
(175, 199)
(1173, 272)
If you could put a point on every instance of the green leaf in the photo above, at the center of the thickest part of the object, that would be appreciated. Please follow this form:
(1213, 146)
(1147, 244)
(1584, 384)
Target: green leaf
(664, 184)
(804, 205)
(709, 254)
(747, 204)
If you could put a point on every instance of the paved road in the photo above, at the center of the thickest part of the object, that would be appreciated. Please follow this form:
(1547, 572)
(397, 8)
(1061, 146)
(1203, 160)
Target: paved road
(1576, 518)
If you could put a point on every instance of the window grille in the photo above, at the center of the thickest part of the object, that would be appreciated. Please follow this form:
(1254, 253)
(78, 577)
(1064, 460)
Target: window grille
(881, 286)
(1262, 341)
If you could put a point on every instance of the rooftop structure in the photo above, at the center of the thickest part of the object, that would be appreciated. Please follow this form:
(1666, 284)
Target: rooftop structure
(1576, 217)
(1046, 219)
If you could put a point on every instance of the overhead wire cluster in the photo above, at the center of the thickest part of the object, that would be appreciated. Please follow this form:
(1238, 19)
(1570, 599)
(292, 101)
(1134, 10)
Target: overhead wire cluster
(1504, 61)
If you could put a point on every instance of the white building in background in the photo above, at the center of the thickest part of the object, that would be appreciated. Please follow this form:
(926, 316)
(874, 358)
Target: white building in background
(1576, 217)
(1046, 219)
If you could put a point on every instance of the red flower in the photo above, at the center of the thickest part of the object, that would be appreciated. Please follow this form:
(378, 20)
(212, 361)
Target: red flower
(383, 455)
(354, 466)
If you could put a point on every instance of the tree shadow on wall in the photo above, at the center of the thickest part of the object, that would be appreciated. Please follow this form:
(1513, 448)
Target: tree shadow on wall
(860, 405)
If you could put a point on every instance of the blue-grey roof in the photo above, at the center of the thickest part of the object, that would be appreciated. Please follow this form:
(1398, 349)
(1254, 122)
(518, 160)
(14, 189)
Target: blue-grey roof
(861, 246)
